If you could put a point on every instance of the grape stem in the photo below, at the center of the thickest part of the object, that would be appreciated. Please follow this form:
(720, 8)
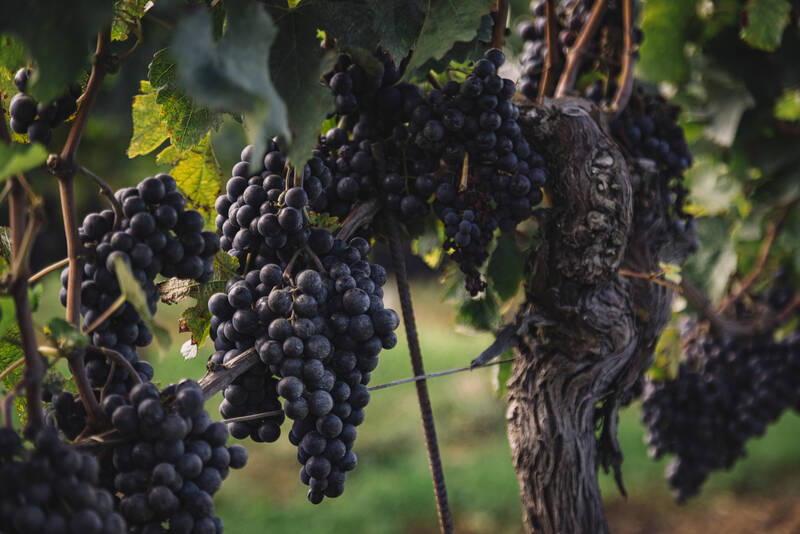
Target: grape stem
(105, 315)
(499, 29)
(118, 358)
(47, 270)
(577, 52)
(106, 191)
(428, 425)
(553, 58)
(629, 55)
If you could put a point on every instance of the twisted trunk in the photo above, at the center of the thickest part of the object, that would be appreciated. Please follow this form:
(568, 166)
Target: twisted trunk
(586, 332)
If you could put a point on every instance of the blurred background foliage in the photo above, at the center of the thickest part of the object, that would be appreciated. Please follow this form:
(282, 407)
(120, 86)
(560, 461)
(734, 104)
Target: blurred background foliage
(734, 66)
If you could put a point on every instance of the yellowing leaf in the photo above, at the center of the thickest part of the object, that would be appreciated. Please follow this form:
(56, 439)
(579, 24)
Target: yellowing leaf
(199, 175)
(149, 126)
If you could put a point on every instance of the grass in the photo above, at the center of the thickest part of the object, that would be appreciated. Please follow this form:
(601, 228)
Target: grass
(391, 492)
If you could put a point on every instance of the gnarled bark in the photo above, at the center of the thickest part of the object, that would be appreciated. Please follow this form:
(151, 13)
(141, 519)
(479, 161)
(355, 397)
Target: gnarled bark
(586, 332)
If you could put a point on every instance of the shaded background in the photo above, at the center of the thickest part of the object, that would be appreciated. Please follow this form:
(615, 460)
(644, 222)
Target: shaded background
(390, 491)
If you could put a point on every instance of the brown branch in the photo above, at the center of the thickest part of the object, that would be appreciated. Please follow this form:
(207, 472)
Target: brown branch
(95, 418)
(253, 417)
(10, 369)
(629, 55)
(553, 58)
(719, 325)
(8, 403)
(428, 425)
(773, 230)
(653, 277)
(499, 30)
(218, 379)
(65, 167)
(361, 215)
(577, 52)
(47, 270)
(21, 243)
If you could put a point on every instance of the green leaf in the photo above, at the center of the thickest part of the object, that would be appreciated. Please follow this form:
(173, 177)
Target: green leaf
(233, 73)
(712, 265)
(65, 336)
(149, 125)
(10, 352)
(15, 158)
(787, 108)
(199, 175)
(186, 122)
(765, 22)
(461, 52)
(501, 373)
(428, 246)
(713, 188)
(9, 314)
(399, 24)
(296, 62)
(12, 53)
(127, 13)
(59, 36)
(665, 24)
(480, 314)
(667, 355)
(506, 266)
(446, 23)
(135, 296)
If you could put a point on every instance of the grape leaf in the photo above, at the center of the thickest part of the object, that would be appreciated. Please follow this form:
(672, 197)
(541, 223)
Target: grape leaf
(399, 24)
(197, 319)
(9, 314)
(15, 158)
(446, 22)
(662, 54)
(186, 121)
(199, 175)
(233, 72)
(12, 53)
(787, 108)
(461, 52)
(10, 352)
(713, 187)
(135, 296)
(126, 15)
(149, 126)
(712, 265)
(506, 267)
(59, 36)
(764, 23)
(296, 63)
(481, 314)
(65, 336)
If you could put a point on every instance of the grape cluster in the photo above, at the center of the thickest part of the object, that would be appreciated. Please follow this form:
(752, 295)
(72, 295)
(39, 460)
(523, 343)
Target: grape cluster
(477, 118)
(373, 112)
(52, 489)
(319, 333)
(157, 235)
(726, 392)
(39, 119)
(173, 460)
(260, 220)
(648, 127)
